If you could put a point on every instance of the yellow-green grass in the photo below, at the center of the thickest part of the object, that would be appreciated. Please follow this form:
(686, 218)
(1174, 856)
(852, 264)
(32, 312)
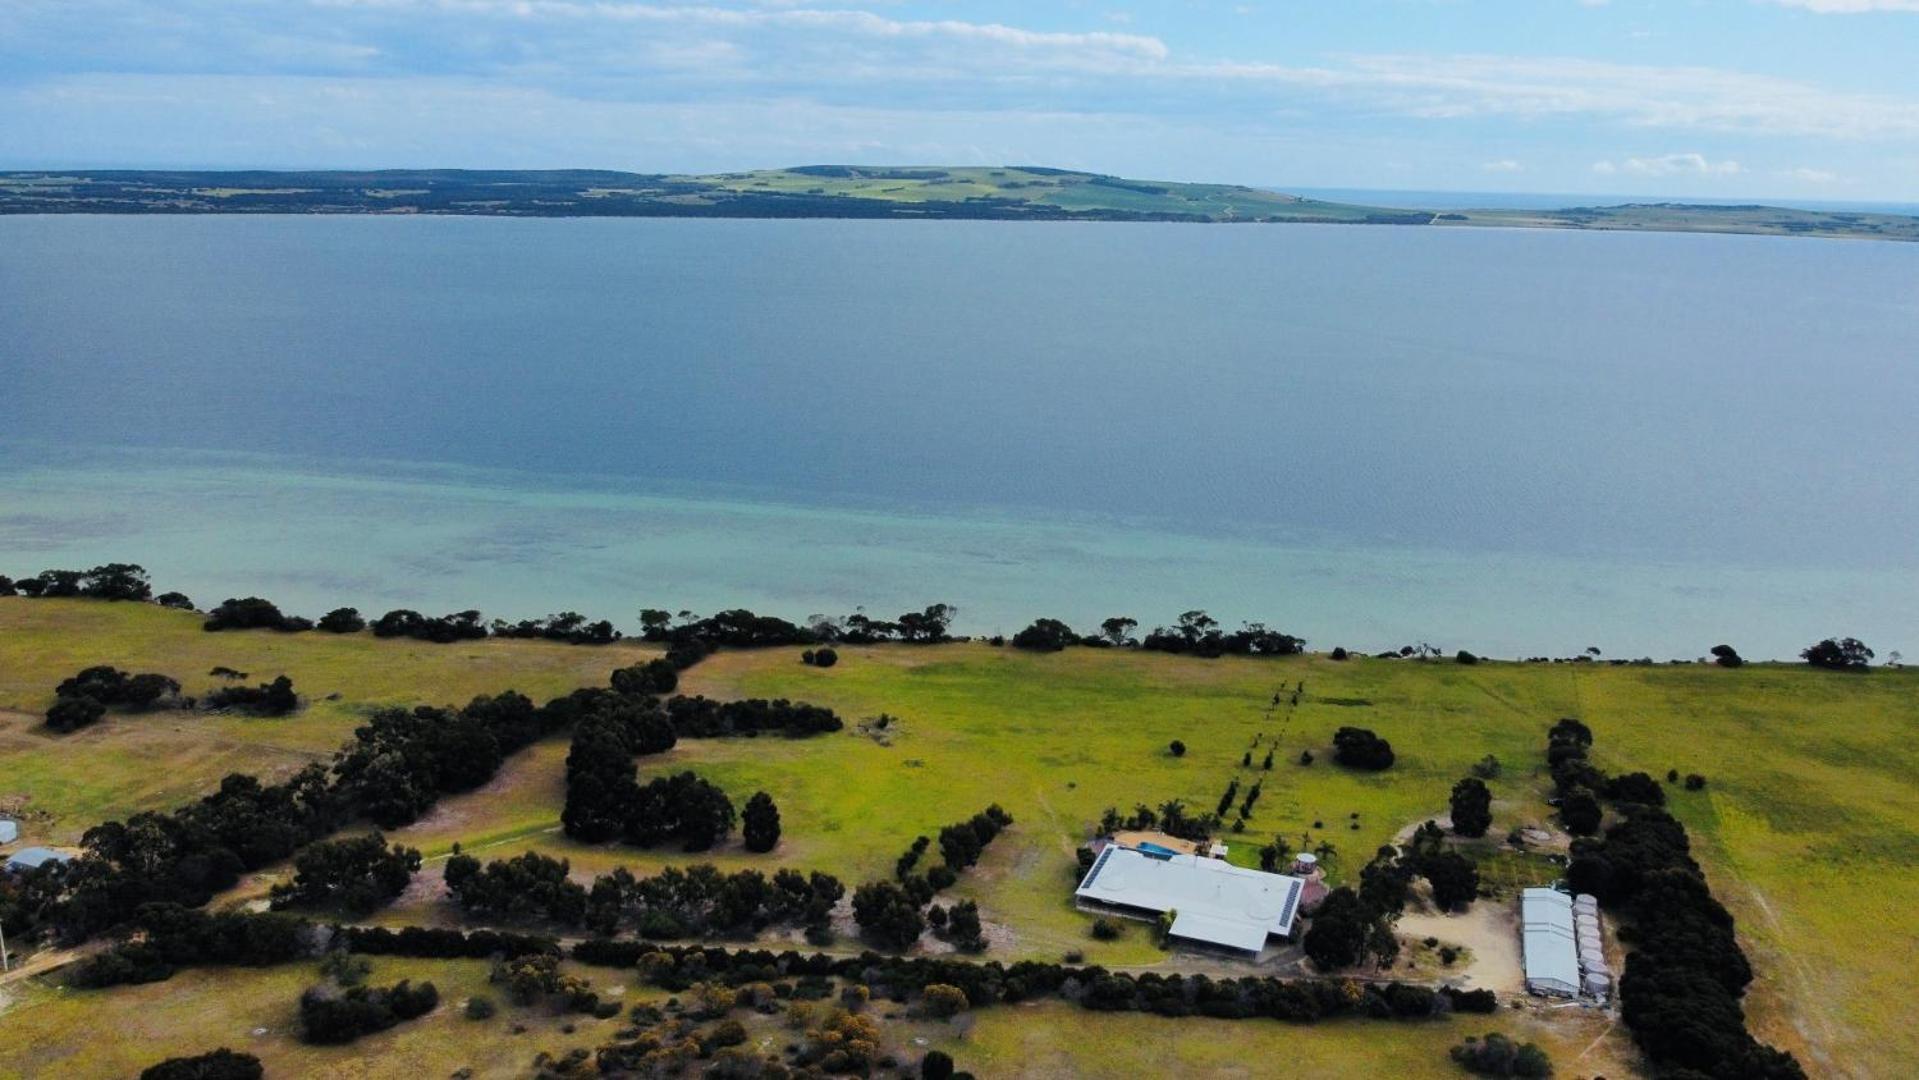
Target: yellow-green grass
(1807, 828)
(56, 1031)
(1052, 1039)
(64, 784)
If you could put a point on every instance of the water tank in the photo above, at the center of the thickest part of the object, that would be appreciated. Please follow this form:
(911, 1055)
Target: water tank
(1597, 984)
(1586, 900)
(1592, 960)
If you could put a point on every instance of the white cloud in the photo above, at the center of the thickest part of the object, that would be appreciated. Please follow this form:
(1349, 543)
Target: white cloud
(1808, 175)
(1850, 7)
(1503, 165)
(1669, 165)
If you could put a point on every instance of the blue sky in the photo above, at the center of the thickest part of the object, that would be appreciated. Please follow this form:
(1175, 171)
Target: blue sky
(1812, 99)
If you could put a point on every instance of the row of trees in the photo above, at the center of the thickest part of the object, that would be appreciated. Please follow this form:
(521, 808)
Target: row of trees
(890, 913)
(1171, 817)
(678, 968)
(677, 902)
(1680, 994)
(112, 581)
(1195, 633)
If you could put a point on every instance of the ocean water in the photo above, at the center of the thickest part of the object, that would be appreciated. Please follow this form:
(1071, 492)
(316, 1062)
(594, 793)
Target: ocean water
(1514, 442)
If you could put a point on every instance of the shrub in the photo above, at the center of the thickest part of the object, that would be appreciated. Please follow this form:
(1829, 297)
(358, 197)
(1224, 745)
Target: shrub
(825, 657)
(1497, 1055)
(936, 1065)
(1359, 748)
(1472, 807)
(1045, 635)
(221, 1064)
(760, 823)
(942, 1001)
(1694, 781)
(479, 1007)
(1465, 657)
(178, 601)
(1176, 748)
(1105, 929)
(344, 620)
(73, 713)
(268, 699)
(252, 613)
(1726, 656)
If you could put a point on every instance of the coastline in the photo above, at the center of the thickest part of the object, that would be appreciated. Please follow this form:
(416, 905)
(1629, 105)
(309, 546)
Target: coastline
(439, 537)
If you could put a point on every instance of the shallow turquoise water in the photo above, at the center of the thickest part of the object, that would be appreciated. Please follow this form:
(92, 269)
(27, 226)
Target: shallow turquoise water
(1506, 441)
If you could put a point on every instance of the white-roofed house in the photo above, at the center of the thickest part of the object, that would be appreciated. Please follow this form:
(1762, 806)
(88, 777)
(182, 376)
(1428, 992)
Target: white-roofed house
(1214, 903)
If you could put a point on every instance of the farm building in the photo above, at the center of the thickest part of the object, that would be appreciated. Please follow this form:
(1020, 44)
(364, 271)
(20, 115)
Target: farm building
(1552, 950)
(1214, 903)
(33, 857)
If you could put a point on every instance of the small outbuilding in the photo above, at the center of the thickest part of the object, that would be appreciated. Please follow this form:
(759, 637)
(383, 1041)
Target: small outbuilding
(9, 830)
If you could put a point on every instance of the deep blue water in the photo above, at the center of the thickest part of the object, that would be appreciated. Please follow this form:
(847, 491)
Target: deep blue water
(1387, 432)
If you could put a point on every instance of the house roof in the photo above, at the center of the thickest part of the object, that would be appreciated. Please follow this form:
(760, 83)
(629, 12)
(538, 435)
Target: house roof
(1216, 902)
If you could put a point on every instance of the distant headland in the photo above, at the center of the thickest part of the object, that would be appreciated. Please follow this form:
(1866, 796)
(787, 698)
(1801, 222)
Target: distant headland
(1009, 193)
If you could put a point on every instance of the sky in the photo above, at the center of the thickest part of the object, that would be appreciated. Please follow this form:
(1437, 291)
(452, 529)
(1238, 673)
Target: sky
(1723, 99)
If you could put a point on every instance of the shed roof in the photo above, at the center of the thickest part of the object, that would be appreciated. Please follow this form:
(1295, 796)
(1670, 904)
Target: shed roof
(1217, 902)
(28, 858)
(1552, 958)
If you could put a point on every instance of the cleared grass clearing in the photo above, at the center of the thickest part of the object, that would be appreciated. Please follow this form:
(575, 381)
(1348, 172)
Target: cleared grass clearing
(58, 1032)
(1057, 1040)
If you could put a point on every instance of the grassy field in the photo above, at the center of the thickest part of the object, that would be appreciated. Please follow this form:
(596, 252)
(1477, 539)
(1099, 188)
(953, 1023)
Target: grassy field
(1809, 827)
(58, 1032)
(65, 784)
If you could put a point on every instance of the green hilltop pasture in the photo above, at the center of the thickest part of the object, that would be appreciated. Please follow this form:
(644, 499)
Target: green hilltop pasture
(1808, 826)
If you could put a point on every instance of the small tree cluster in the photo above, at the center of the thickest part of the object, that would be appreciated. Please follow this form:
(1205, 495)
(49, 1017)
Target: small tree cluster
(760, 823)
(528, 886)
(113, 581)
(355, 876)
(275, 698)
(330, 1016)
(344, 620)
(1839, 654)
(1358, 748)
(1497, 1055)
(83, 699)
(1472, 807)
(887, 915)
(253, 613)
